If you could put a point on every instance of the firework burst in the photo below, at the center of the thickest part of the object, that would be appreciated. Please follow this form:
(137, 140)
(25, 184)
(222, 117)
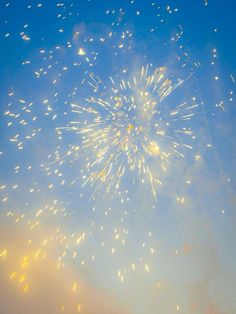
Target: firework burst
(128, 129)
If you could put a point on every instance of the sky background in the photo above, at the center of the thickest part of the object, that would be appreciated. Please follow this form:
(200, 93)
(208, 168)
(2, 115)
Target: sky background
(62, 250)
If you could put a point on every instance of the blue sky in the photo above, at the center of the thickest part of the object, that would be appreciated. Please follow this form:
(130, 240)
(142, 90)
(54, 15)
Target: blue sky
(183, 244)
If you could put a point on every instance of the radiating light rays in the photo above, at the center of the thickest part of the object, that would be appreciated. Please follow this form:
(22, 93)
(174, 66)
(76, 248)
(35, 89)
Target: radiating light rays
(127, 127)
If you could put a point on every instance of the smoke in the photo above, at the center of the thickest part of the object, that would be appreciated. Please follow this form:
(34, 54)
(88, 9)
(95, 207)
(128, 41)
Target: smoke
(49, 290)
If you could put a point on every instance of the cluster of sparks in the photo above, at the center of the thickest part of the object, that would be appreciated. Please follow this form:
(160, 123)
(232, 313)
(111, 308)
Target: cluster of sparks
(124, 135)
(128, 133)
